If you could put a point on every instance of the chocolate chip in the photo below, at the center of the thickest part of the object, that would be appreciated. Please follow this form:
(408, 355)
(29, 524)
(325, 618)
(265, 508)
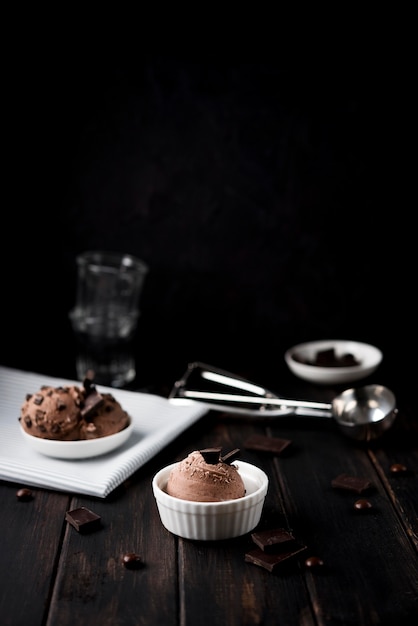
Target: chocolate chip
(38, 399)
(351, 483)
(131, 560)
(83, 519)
(362, 505)
(24, 494)
(314, 562)
(262, 443)
(211, 455)
(398, 468)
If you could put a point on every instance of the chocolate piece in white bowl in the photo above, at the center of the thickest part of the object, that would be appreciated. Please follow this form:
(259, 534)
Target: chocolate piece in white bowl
(333, 361)
(216, 519)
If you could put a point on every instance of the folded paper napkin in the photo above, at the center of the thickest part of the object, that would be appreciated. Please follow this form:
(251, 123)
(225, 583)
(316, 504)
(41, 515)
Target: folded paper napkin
(156, 421)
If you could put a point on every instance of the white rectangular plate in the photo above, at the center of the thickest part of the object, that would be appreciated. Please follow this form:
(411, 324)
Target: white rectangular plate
(156, 421)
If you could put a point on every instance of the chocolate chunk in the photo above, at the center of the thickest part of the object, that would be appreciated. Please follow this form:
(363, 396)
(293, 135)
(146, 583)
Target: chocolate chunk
(211, 455)
(271, 562)
(348, 360)
(351, 483)
(231, 456)
(328, 358)
(83, 519)
(262, 443)
(131, 560)
(38, 399)
(24, 495)
(88, 381)
(274, 540)
(92, 401)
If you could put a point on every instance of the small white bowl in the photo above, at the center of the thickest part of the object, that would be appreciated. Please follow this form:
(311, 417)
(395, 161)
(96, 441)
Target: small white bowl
(368, 357)
(79, 449)
(210, 521)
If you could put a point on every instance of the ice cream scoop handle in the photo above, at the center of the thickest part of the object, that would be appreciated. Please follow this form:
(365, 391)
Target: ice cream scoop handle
(302, 407)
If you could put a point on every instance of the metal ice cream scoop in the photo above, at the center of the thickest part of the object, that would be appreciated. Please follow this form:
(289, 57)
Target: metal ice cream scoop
(362, 413)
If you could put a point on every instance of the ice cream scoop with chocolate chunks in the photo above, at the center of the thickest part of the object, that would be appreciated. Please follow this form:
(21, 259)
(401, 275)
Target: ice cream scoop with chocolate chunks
(206, 476)
(70, 413)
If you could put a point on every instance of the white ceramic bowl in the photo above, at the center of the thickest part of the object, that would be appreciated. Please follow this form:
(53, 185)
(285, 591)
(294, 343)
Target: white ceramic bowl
(368, 356)
(80, 449)
(209, 521)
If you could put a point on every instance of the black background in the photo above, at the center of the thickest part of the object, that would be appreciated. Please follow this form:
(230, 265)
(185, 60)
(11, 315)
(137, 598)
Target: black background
(272, 204)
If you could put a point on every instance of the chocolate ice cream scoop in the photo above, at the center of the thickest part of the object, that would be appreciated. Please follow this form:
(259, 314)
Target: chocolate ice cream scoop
(198, 480)
(52, 413)
(70, 413)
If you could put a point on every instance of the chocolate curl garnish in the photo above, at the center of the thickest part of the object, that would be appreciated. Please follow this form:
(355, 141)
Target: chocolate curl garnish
(211, 455)
(93, 398)
(231, 456)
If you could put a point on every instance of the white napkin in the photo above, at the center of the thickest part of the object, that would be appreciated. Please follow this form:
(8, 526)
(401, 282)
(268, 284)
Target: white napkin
(156, 423)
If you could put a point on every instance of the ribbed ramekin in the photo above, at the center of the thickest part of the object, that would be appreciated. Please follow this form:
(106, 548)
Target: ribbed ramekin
(210, 521)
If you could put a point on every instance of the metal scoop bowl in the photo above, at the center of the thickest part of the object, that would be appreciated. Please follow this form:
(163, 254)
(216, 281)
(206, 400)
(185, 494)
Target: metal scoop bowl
(362, 413)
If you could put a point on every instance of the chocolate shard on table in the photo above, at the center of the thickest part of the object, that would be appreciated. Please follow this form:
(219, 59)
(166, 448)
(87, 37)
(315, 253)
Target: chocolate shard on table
(83, 519)
(273, 540)
(357, 484)
(263, 443)
(272, 562)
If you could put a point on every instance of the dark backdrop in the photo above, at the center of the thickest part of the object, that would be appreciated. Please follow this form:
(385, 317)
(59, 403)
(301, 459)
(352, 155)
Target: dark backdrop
(272, 205)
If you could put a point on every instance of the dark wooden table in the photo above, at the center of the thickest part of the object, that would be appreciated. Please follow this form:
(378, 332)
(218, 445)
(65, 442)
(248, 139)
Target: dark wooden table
(52, 575)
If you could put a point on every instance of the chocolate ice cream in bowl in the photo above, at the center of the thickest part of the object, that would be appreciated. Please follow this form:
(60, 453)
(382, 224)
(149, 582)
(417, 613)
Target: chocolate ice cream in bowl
(73, 422)
(208, 497)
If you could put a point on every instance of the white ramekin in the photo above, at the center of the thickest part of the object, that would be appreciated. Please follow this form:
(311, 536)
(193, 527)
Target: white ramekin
(209, 521)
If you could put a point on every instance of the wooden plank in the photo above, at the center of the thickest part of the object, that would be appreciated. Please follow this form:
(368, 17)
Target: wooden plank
(93, 585)
(31, 534)
(371, 568)
(216, 585)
